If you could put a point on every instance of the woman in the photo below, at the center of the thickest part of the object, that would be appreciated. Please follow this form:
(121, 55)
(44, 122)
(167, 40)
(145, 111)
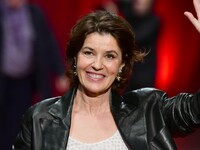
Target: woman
(100, 52)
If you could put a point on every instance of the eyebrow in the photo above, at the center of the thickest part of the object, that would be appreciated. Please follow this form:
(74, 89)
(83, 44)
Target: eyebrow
(112, 51)
(88, 48)
(108, 51)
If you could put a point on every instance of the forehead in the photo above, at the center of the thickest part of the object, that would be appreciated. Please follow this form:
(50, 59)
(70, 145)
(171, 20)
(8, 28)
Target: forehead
(103, 41)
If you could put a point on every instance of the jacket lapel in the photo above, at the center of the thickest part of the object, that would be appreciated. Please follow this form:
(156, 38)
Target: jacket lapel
(55, 129)
(119, 114)
(129, 120)
(54, 134)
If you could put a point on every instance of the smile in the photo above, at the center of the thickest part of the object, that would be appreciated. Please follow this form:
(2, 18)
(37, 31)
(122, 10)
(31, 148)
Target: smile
(95, 76)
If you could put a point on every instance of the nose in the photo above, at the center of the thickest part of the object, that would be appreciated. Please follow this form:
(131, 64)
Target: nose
(97, 64)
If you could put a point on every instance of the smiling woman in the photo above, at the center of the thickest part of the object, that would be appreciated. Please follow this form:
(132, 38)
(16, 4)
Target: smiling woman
(109, 26)
(100, 52)
(98, 63)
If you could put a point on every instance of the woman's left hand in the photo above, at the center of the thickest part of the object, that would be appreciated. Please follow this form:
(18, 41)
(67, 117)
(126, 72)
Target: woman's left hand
(190, 16)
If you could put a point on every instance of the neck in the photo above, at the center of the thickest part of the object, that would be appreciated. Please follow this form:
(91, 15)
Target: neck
(92, 105)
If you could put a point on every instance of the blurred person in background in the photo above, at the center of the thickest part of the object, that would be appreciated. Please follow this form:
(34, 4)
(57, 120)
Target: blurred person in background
(28, 53)
(146, 25)
(109, 5)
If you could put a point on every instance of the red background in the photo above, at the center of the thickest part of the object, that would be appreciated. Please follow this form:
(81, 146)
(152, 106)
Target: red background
(178, 45)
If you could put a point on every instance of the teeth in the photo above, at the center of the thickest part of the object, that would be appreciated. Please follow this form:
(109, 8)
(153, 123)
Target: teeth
(96, 76)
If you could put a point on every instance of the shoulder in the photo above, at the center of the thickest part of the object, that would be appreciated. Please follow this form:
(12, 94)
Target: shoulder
(51, 107)
(41, 108)
(143, 95)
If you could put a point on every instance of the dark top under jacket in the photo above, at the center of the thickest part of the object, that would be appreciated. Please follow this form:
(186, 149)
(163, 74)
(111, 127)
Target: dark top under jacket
(145, 119)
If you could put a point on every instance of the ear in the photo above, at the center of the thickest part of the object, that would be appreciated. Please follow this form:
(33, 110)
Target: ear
(122, 65)
(120, 68)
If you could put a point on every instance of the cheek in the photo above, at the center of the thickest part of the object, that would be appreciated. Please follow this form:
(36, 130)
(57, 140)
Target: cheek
(82, 63)
(113, 69)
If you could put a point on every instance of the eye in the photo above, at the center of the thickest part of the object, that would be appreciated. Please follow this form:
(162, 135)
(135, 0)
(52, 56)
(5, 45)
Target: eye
(110, 56)
(88, 53)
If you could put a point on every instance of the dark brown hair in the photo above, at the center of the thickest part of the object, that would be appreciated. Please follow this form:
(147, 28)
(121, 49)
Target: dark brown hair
(108, 23)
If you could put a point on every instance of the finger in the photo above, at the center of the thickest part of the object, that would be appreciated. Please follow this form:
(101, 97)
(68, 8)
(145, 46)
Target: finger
(197, 7)
(193, 20)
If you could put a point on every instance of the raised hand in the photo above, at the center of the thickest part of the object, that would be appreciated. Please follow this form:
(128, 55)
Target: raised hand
(190, 16)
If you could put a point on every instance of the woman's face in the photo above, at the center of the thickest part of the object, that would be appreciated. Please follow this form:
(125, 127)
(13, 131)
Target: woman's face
(98, 63)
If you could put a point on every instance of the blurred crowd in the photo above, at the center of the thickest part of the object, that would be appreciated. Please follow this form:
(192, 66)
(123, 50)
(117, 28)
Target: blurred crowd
(29, 55)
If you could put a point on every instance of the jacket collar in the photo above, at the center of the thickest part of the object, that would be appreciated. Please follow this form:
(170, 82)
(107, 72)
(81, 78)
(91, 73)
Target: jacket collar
(55, 131)
(62, 111)
(63, 107)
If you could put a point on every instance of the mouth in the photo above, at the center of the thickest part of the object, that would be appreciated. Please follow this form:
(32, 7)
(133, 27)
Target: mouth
(95, 76)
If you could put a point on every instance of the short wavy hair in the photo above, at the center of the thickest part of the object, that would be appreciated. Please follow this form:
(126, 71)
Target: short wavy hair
(102, 21)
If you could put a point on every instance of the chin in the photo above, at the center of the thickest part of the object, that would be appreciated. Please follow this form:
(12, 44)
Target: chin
(95, 91)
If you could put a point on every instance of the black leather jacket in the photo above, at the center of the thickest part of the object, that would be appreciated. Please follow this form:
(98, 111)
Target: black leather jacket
(144, 117)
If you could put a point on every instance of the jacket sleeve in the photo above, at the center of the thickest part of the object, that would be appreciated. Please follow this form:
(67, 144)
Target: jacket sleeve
(182, 112)
(23, 140)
